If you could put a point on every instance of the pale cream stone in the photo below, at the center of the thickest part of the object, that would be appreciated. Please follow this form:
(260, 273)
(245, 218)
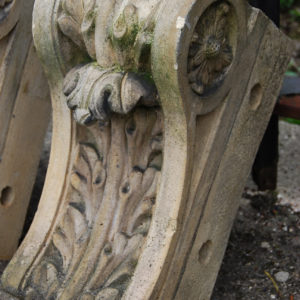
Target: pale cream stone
(25, 110)
(143, 188)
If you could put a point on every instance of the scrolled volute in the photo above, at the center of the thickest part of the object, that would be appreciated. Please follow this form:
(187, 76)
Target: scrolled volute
(94, 93)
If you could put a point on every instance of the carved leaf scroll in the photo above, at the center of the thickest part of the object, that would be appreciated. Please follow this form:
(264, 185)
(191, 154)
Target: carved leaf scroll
(93, 93)
(132, 34)
(110, 205)
(99, 237)
(77, 21)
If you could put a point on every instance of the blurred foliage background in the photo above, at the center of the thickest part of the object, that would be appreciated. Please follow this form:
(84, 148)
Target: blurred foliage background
(290, 24)
(290, 17)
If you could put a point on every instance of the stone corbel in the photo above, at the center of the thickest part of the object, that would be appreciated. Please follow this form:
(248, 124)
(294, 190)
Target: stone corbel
(25, 111)
(159, 107)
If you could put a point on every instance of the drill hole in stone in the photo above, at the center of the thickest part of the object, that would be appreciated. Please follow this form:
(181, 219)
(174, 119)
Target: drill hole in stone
(205, 253)
(256, 95)
(7, 197)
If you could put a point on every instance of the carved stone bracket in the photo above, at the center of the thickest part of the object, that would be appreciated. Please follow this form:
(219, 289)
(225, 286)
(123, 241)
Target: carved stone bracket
(159, 107)
(25, 111)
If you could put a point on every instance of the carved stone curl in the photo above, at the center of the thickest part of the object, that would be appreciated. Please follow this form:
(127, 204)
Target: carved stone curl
(94, 93)
(146, 173)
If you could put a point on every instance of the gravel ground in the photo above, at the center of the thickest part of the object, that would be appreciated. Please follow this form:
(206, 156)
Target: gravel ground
(262, 260)
(289, 165)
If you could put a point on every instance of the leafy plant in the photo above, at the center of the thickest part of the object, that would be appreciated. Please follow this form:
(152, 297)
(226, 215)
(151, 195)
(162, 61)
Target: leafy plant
(293, 69)
(292, 121)
(292, 7)
(295, 13)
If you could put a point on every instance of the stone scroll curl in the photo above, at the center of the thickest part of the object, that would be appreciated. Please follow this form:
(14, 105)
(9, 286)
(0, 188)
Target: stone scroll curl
(154, 135)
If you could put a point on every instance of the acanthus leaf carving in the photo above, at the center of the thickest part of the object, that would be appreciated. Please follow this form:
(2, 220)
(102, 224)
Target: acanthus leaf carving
(93, 93)
(77, 21)
(116, 173)
(112, 205)
(131, 34)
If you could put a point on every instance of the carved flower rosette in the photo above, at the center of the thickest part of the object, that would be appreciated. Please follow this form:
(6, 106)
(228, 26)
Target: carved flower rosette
(212, 48)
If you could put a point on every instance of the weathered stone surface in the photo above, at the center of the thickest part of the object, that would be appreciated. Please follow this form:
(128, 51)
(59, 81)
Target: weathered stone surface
(6, 296)
(169, 102)
(25, 110)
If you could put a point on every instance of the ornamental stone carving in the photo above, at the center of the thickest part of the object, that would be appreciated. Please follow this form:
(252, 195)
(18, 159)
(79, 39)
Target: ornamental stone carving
(212, 48)
(24, 116)
(108, 204)
(152, 121)
(94, 93)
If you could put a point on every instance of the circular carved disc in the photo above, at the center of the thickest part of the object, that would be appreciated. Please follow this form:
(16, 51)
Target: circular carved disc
(212, 48)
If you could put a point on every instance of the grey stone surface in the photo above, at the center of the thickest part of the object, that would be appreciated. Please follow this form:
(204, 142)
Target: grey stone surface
(5, 296)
